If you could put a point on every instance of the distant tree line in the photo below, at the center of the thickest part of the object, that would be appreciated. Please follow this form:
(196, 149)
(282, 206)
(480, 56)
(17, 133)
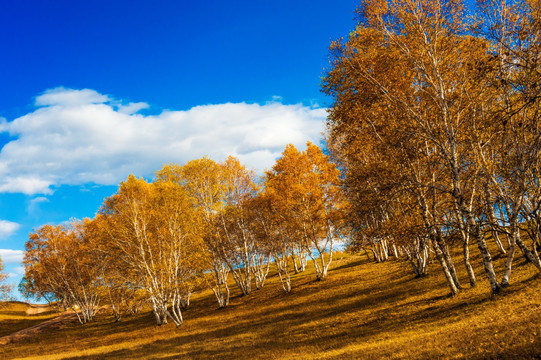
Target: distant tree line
(5, 288)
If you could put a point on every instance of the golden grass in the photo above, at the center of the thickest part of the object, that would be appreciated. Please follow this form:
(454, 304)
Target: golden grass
(363, 310)
(13, 317)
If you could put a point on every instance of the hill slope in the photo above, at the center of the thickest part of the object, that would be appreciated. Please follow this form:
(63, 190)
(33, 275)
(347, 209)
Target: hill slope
(363, 310)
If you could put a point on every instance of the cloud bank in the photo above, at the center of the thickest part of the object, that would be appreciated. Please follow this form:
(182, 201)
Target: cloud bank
(10, 256)
(76, 137)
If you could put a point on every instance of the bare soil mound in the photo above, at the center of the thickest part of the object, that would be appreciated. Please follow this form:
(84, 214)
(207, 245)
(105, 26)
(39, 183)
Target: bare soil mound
(38, 309)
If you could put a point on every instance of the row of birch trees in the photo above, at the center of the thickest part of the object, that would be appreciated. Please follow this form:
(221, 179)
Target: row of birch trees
(435, 129)
(436, 124)
(197, 225)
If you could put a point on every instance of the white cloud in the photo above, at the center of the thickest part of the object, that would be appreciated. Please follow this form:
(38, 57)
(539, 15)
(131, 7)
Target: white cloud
(80, 136)
(26, 185)
(10, 256)
(33, 206)
(69, 97)
(39, 199)
(7, 228)
(132, 108)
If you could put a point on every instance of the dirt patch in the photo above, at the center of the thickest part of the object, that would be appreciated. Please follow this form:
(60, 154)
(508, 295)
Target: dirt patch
(38, 309)
(57, 322)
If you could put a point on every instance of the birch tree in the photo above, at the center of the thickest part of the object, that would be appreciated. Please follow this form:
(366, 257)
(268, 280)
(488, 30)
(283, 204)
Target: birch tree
(121, 287)
(235, 235)
(274, 234)
(512, 161)
(62, 260)
(154, 230)
(5, 288)
(307, 185)
(204, 182)
(222, 191)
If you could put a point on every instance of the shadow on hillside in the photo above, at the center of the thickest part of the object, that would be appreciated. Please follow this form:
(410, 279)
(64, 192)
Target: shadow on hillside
(352, 306)
(281, 333)
(350, 264)
(322, 309)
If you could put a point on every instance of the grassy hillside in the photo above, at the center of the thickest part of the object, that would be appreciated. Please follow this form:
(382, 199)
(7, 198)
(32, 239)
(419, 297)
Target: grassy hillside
(13, 317)
(363, 310)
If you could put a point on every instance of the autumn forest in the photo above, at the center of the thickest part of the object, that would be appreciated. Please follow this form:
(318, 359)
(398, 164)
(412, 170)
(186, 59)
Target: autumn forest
(431, 159)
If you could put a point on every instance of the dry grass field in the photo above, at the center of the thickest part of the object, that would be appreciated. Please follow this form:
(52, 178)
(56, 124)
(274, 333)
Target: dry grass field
(13, 318)
(363, 310)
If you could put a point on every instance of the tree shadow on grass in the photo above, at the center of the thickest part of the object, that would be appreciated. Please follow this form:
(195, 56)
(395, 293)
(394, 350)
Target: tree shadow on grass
(319, 316)
(291, 323)
(350, 264)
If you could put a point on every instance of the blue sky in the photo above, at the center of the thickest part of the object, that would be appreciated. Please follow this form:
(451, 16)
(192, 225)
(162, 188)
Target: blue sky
(94, 90)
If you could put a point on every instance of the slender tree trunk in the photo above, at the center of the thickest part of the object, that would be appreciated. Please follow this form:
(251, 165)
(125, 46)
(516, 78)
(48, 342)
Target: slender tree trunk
(303, 260)
(295, 266)
(156, 311)
(487, 260)
(219, 286)
(417, 255)
(285, 280)
(176, 314)
(532, 257)
(495, 235)
(465, 234)
(510, 256)
(447, 258)
(260, 269)
(395, 251)
(498, 242)
(242, 278)
(467, 264)
(443, 263)
(375, 254)
(281, 261)
(384, 249)
(436, 240)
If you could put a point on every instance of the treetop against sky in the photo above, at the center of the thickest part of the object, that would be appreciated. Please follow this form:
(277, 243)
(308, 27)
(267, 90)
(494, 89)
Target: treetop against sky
(94, 91)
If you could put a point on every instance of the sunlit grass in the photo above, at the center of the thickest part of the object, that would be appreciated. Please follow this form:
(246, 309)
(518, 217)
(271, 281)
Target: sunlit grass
(363, 310)
(13, 317)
